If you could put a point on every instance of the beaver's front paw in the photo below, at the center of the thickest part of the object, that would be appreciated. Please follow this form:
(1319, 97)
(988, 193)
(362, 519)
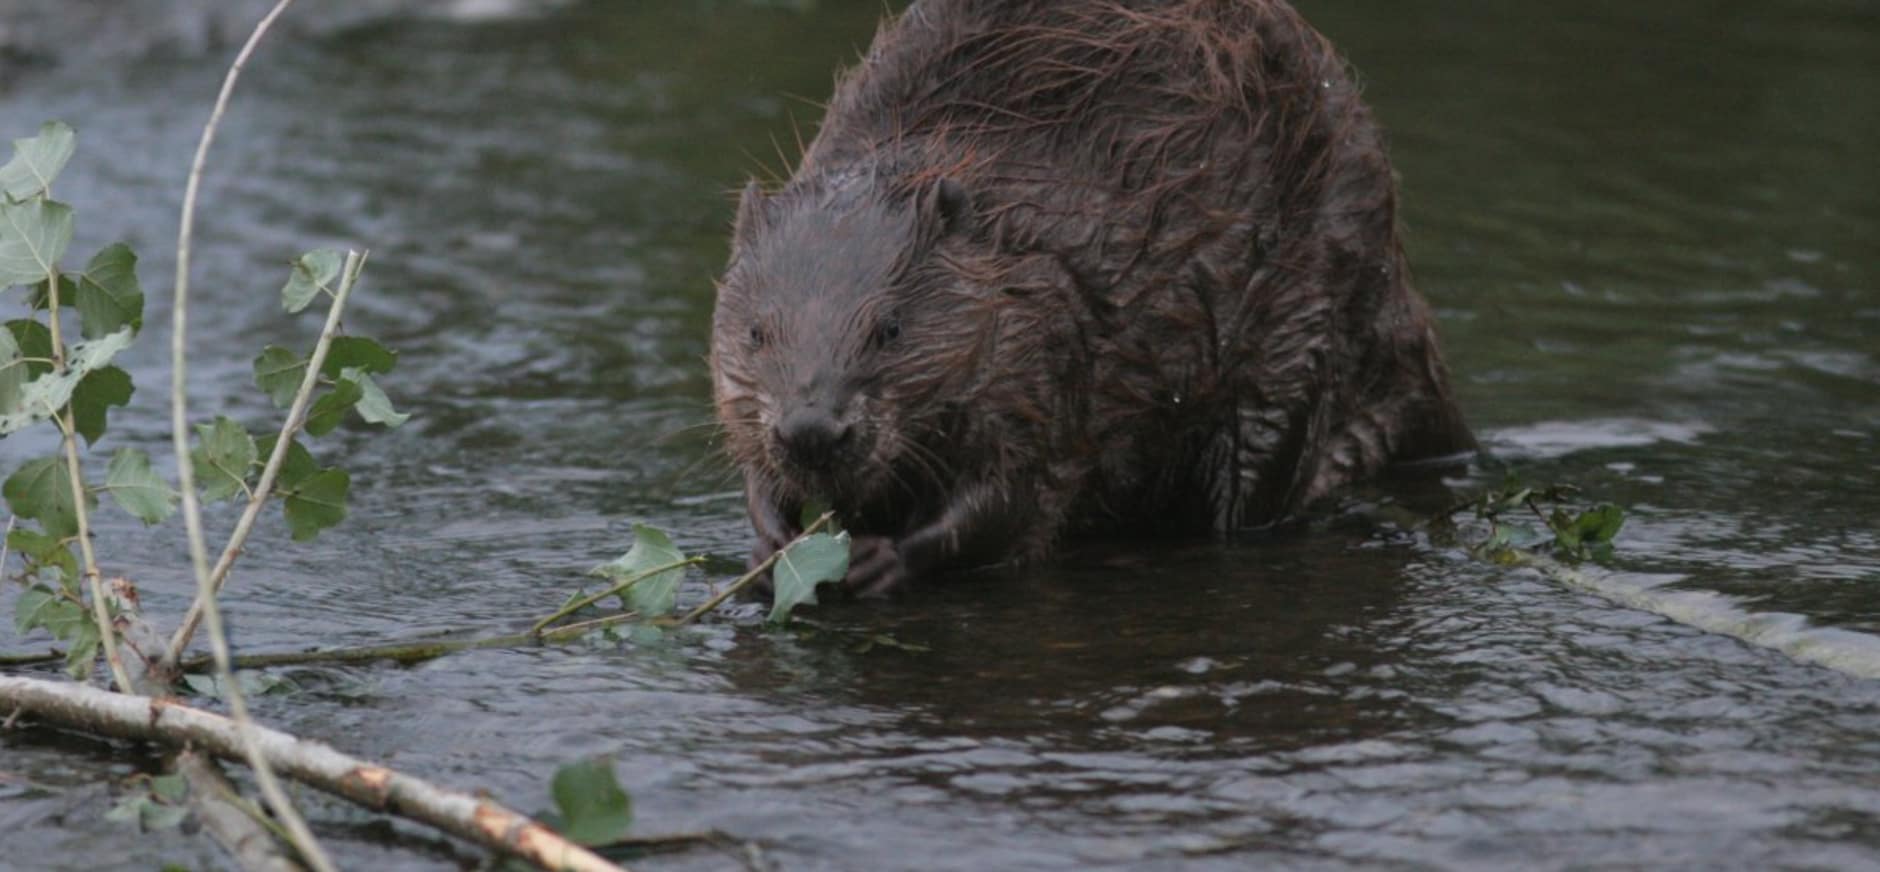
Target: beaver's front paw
(876, 568)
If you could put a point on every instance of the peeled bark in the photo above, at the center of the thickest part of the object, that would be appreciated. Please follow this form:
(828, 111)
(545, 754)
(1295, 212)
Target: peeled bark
(167, 721)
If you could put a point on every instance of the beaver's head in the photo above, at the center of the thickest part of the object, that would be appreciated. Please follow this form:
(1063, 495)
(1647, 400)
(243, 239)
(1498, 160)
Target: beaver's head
(848, 334)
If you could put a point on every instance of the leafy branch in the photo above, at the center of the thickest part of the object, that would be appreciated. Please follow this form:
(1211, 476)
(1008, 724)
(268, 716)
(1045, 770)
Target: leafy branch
(1566, 533)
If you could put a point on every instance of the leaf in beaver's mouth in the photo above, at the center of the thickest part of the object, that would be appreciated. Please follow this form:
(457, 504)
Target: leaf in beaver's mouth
(810, 561)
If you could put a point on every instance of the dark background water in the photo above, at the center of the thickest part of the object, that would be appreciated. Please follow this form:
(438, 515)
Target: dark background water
(1651, 233)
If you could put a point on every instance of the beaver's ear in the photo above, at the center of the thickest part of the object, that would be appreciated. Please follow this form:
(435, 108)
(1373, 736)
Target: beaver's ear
(753, 213)
(949, 201)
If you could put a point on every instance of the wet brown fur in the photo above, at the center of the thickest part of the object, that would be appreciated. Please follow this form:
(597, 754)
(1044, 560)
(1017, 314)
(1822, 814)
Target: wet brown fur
(1144, 262)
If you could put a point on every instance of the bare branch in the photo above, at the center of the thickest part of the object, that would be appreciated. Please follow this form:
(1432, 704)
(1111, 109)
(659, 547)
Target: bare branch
(476, 819)
(237, 824)
(185, 472)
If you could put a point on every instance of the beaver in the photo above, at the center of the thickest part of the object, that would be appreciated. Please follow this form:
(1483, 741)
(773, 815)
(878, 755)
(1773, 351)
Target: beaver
(1053, 268)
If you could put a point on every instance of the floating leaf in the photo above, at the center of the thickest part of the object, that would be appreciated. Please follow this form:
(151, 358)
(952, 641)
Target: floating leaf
(41, 490)
(279, 373)
(313, 272)
(223, 456)
(137, 487)
(317, 503)
(652, 548)
(37, 160)
(33, 237)
(46, 395)
(594, 809)
(1588, 534)
(331, 408)
(357, 352)
(296, 467)
(96, 393)
(804, 565)
(108, 296)
(252, 684)
(159, 808)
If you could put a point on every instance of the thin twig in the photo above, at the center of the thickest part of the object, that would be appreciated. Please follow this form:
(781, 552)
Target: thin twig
(5, 541)
(416, 652)
(52, 656)
(617, 589)
(264, 486)
(670, 841)
(271, 790)
(241, 827)
(751, 577)
(75, 478)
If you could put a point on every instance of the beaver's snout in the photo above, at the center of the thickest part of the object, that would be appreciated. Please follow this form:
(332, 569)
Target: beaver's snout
(812, 438)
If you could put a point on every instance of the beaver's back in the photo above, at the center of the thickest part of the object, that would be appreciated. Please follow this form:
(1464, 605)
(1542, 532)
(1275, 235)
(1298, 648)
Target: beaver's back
(1206, 173)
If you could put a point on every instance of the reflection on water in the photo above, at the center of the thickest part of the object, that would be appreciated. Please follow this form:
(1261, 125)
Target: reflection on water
(1649, 230)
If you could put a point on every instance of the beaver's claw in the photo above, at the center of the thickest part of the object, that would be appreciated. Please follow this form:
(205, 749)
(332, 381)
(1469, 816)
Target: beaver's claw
(876, 568)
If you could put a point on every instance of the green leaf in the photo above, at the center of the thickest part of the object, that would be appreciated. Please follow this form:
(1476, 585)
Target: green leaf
(138, 488)
(13, 373)
(279, 372)
(45, 552)
(331, 408)
(1600, 524)
(37, 160)
(161, 807)
(317, 503)
(172, 788)
(655, 594)
(46, 395)
(813, 510)
(96, 393)
(296, 467)
(60, 616)
(33, 237)
(35, 546)
(34, 340)
(40, 297)
(252, 684)
(313, 272)
(357, 352)
(41, 490)
(29, 610)
(108, 295)
(129, 810)
(805, 564)
(158, 816)
(374, 406)
(81, 650)
(594, 809)
(224, 455)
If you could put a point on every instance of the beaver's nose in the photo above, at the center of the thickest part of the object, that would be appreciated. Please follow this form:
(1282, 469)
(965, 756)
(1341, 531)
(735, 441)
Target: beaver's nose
(812, 437)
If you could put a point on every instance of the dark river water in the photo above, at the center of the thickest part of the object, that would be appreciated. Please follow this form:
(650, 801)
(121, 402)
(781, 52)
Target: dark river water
(1652, 233)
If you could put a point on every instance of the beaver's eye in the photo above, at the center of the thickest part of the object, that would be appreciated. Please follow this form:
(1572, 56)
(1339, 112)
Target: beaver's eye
(758, 336)
(887, 331)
